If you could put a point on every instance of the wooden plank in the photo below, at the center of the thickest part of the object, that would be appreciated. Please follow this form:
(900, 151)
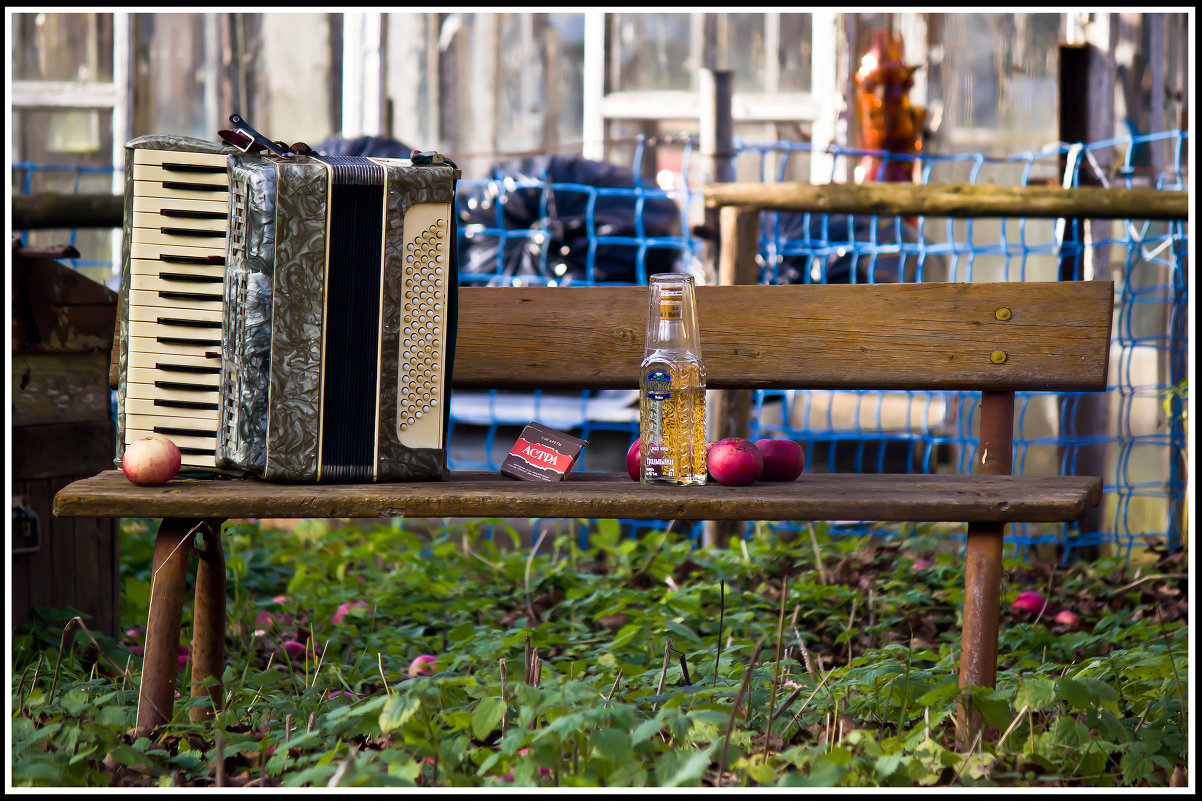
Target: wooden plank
(87, 581)
(955, 200)
(20, 573)
(67, 211)
(42, 562)
(59, 388)
(881, 336)
(50, 450)
(1086, 77)
(895, 497)
(56, 309)
(75, 566)
(103, 604)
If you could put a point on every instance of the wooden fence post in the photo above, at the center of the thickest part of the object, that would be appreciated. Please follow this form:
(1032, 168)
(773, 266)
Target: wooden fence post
(716, 128)
(1086, 115)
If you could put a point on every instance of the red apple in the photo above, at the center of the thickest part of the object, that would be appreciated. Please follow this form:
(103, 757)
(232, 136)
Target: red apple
(735, 462)
(422, 665)
(633, 459)
(1030, 602)
(784, 459)
(150, 461)
(1066, 617)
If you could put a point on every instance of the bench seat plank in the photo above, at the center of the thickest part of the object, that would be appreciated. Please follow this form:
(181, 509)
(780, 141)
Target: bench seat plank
(814, 496)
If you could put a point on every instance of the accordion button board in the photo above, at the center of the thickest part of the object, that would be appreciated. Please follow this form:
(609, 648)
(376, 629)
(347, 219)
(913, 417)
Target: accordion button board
(419, 418)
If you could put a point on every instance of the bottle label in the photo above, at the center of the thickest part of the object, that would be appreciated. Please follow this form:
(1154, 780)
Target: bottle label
(659, 385)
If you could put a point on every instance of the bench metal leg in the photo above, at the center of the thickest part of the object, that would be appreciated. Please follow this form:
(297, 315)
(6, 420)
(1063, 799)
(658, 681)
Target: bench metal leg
(982, 594)
(208, 633)
(983, 565)
(169, 572)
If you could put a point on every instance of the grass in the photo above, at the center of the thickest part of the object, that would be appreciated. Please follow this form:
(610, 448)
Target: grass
(825, 661)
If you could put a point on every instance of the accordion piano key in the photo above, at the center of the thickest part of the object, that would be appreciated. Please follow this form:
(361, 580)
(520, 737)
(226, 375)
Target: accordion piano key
(176, 229)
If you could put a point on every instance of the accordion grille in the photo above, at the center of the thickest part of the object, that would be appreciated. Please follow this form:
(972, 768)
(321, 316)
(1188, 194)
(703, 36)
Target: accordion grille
(352, 348)
(239, 198)
(235, 312)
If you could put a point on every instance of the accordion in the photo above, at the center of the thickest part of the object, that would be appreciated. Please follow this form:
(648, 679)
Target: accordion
(291, 318)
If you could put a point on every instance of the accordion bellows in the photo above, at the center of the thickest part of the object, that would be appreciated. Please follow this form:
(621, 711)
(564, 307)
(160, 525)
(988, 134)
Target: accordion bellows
(311, 391)
(338, 319)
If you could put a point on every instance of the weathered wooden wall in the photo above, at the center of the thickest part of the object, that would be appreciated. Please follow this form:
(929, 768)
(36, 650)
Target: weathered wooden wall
(61, 431)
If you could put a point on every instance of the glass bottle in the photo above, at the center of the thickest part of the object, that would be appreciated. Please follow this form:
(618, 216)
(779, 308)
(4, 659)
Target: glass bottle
(672, 386)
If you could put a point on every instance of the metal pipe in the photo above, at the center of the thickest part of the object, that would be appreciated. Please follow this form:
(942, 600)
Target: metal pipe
(168, 578)
(208, 630)
(983, 563)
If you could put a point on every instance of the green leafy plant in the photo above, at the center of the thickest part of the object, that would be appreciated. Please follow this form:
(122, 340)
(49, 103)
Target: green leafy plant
(812, 659)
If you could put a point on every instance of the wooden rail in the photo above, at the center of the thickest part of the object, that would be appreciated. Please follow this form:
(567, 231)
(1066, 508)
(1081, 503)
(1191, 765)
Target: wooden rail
(932, 200)
(954, 200)
(67, 211)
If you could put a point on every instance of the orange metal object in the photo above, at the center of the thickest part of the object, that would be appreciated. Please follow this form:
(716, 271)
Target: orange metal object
(887, 119)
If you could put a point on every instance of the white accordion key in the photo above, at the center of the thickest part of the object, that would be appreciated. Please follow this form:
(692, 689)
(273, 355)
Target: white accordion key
(183, 208)
(212, 272)
(165, 300)
(204, 382)
(203, 317)
(205, 287)
(168, 408)
(160, 157)
(173, 219)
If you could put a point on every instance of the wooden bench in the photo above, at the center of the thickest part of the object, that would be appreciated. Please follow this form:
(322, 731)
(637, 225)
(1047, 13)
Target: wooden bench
(995, 338)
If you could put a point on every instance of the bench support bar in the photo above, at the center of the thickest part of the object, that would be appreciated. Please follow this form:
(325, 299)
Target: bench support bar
(208, 636)
(168, 587)
(983, 565)
(168, 581)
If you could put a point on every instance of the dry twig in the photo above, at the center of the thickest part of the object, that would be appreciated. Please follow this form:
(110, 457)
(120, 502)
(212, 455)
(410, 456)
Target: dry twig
(734, 707)
(664, 672)
(780, 641)
(529, 562)
(1137, 582)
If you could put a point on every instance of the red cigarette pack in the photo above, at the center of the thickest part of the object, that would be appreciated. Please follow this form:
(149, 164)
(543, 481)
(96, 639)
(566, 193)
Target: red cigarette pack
(542, 454)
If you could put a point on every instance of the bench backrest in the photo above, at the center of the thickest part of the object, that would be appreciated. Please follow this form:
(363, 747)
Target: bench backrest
(958, 336)
(950, 336)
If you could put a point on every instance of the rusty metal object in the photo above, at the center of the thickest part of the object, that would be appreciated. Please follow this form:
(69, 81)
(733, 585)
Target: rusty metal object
(208, 633)
(887, 119)
(169, 572)
(983, 563)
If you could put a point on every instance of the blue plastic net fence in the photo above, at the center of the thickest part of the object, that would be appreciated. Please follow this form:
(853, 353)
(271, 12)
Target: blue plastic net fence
(1134, 437)
(565, 221)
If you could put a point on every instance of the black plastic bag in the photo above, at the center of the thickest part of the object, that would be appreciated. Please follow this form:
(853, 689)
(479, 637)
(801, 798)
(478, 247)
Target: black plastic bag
(516, 232)
(382, 146)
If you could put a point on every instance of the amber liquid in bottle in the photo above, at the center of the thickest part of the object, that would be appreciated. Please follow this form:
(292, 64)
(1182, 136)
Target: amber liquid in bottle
(672, 387)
